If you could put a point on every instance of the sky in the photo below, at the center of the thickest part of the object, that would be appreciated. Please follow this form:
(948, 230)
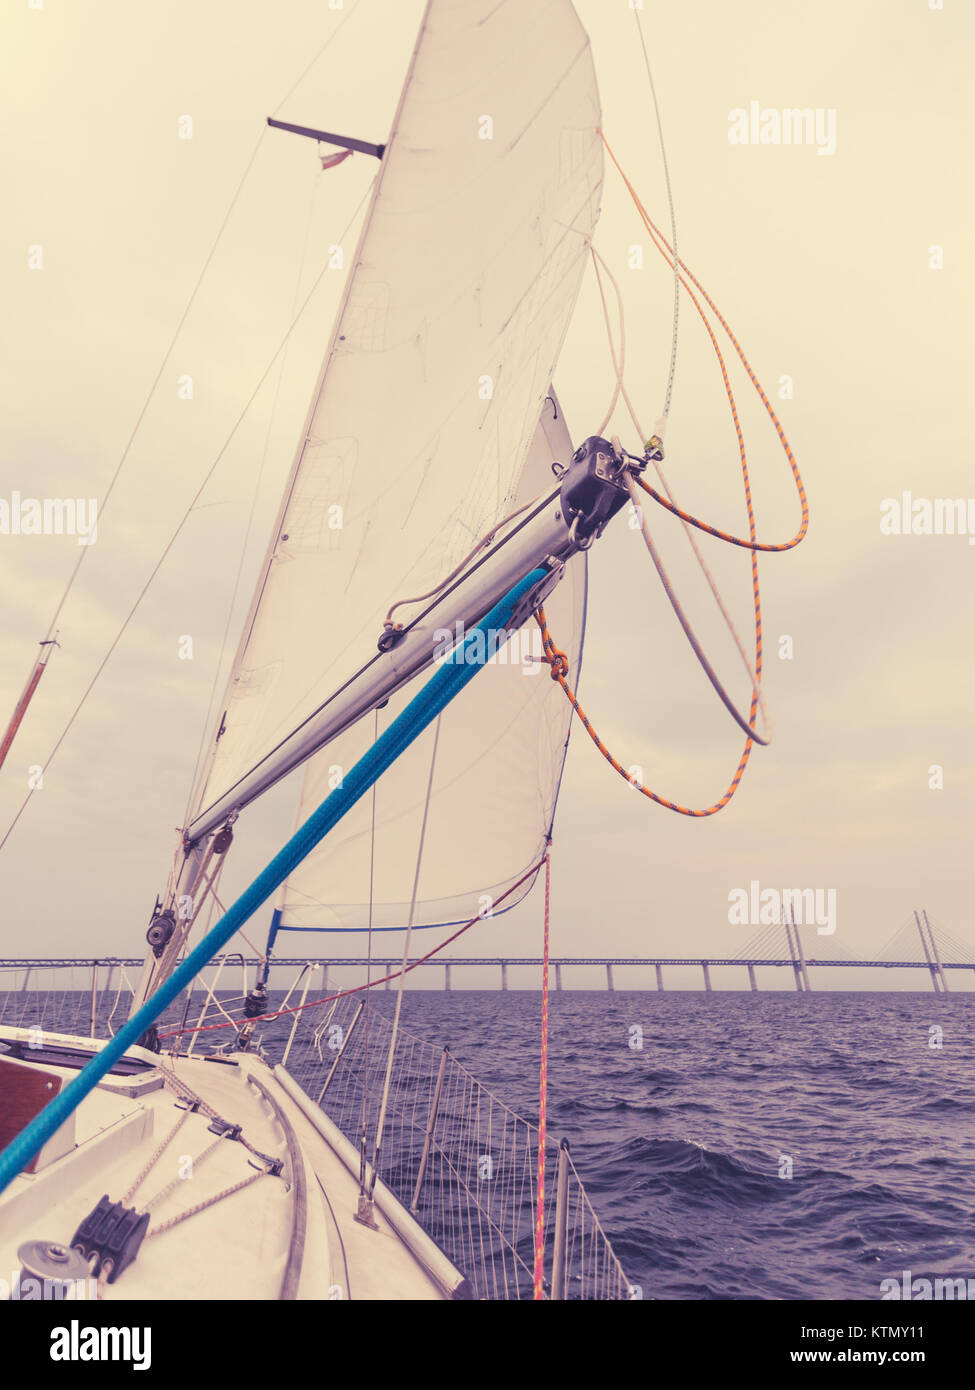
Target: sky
(846, 276)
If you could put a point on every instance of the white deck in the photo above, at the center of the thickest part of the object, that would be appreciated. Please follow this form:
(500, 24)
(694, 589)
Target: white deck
(240, 1247)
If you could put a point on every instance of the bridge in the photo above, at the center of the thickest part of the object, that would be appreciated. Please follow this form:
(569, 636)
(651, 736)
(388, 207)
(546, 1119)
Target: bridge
(940, 952)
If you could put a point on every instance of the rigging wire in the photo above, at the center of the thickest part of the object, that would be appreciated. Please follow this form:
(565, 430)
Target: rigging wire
(661, 424)
(162, 367)
(235, 197)
(655, 454)
(201, 749)
(383, 979)
(538, 1291)
(482, 544)
(557, 659)
(618, 364)
(365, 1062)
(380, 1123)
(179, 527)
(746, 725)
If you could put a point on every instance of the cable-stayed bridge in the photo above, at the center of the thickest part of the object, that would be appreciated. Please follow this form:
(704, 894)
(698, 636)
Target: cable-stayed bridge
(917, 944)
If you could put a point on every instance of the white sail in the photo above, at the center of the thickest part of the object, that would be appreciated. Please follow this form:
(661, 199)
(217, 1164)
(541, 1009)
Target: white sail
(456, 308)
(496, 776)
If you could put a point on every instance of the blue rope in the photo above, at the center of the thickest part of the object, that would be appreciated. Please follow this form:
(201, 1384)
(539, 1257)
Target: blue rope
(440, 689)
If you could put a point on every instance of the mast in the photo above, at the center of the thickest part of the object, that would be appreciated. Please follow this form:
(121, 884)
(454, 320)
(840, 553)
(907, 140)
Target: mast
(33, 681)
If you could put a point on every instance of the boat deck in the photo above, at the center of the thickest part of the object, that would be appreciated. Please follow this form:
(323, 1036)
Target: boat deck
(290, 1235)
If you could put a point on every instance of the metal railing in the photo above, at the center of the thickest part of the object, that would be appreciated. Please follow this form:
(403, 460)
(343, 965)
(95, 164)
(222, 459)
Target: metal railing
(462, 1161)
(92, 998)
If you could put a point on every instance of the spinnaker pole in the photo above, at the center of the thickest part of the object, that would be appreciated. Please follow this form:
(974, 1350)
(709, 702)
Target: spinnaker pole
(592, 489)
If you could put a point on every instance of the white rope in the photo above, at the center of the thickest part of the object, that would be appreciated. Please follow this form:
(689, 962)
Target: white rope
(709, 671)
(406, 952)
(482, 544)
(124, 983)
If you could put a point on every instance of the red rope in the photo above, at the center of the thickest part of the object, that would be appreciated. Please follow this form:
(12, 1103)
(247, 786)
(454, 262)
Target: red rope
(358, 989)
(542, 1102)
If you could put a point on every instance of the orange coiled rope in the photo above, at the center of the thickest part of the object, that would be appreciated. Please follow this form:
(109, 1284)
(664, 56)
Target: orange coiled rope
(666, 250)
(557, 659)
(539, 1283)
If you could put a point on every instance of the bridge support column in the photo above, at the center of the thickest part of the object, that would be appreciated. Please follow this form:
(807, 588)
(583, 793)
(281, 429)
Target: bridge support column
(795, 951)
(934, 964)
(707, 976)
(504, 975)
(385, 986)
(558, 977)
(660, 976)
(751, 979)
(935, 953)
(609, 977)
(800, 953)
(446, 977)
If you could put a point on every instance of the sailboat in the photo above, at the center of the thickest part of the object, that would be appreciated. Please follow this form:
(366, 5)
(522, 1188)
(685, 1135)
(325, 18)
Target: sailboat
(405, 660)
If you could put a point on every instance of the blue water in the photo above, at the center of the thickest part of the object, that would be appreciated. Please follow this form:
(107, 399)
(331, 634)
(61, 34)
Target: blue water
(684, 1136)
(681, 1141)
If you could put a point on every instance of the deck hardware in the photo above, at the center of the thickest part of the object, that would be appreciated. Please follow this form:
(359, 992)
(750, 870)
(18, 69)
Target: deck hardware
(561, 1223)
(49, 1270)
(110, 1235)
(160, 930)
(224, 1128)
(364, 1212)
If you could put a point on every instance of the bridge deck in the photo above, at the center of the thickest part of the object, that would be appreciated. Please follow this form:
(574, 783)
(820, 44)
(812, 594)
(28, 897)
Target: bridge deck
(25, 962)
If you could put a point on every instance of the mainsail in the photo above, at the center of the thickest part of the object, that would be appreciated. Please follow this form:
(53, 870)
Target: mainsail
(430, 422)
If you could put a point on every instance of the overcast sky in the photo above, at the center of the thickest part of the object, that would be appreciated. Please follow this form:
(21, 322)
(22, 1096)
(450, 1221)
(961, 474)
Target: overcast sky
(847, 271)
